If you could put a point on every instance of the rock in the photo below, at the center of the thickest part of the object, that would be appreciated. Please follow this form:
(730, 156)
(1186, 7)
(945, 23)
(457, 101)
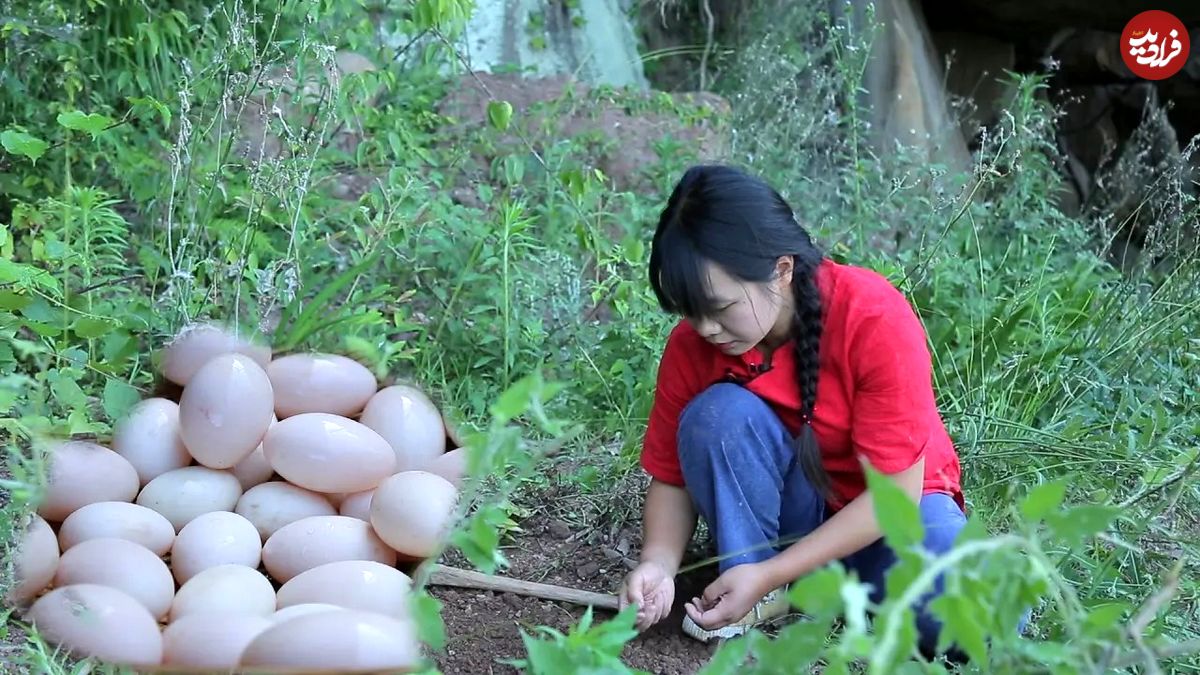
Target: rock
(588, 570)
(594, 41)
(559, 529)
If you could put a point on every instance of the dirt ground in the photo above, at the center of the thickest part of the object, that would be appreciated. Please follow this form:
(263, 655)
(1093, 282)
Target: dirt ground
(483, 627)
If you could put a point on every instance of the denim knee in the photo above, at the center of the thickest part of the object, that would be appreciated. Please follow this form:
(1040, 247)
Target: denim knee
(722, 408)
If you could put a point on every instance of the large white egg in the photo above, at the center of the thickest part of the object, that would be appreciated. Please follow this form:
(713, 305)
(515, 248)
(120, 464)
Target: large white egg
(285, 613)
(83, 473)
(413, 512)
(138, 524)
(353, 584)
(225, 588)
(343, 640)
(36, 561)
(149, 439)
(328, 453)
(120, 564)
(98, 621)
(272, 505)
(254, 470)
(183, 494)
(213, 640)
(357, 505)
(409, 421)
(225, 411)
(311, 542)
(452, 466)
(328, 383)
(197, 344)
(212, 539)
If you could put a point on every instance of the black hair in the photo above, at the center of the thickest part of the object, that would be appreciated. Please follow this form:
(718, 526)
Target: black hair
(727, 216)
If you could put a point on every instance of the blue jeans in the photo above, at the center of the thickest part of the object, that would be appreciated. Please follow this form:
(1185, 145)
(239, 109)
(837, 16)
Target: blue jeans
(741, 471)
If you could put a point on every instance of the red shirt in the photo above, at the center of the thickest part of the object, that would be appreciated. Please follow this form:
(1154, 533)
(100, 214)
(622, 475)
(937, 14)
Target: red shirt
(875, 398)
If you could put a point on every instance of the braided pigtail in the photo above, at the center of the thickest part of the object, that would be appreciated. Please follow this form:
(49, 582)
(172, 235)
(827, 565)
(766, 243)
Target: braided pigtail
(806, 330)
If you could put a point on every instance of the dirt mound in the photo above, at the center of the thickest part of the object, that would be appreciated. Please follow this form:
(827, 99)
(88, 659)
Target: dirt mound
(631, 130)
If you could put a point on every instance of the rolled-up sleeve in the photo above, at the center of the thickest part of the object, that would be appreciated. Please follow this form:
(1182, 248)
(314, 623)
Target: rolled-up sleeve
(674, 388)
(894, 403)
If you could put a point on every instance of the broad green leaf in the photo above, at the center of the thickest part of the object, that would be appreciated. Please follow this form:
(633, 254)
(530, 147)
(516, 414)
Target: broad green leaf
(974, 530)
(730, 655)
(11, 302)
(153, 103)
(91, 123)
(119, 398)
(427, 612)
(21, 143)
(960, 624)
(898, 515)
(88, 327)
(515, 400)
(500, 114)
(1081, 522)
(901, 575)
(1105, 618)
(819, 594)
(1043, 499)
(66, 391)
(27, 276)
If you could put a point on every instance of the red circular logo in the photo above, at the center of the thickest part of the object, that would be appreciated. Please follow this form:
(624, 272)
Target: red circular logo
(1155, 45)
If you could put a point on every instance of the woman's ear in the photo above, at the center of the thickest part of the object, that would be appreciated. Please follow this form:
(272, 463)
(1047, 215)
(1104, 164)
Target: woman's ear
(784, 267)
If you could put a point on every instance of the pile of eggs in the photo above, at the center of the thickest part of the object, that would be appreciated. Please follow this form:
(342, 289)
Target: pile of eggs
(260, 521)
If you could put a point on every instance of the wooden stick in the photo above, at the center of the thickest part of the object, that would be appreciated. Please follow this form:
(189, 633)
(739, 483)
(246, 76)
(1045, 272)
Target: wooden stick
(452, 576)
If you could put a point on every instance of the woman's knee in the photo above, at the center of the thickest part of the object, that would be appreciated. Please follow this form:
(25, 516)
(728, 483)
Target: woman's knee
(715, 412)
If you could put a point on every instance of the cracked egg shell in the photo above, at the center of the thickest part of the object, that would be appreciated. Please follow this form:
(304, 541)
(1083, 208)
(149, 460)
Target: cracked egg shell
(98, 621)
(225, 411)
(327, 383)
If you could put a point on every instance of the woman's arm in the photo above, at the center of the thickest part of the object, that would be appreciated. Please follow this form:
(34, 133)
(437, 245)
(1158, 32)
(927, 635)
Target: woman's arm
(846, 532)
(670, 520)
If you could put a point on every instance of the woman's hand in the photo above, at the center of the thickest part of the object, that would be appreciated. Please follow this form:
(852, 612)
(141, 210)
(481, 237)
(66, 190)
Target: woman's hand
(650, 586)
(730, 597)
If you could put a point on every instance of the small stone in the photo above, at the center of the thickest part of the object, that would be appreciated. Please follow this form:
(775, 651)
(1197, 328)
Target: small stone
(587, 570)
(559, 529)
(611, 554)
(623, 545)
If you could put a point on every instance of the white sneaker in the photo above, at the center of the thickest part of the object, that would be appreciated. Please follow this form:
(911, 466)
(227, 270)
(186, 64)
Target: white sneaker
(773, 605)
